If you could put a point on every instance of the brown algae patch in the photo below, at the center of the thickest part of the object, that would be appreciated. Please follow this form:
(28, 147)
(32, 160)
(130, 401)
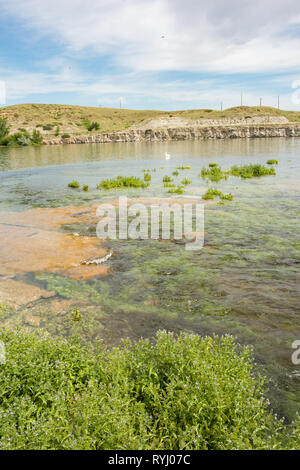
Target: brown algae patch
(34, 241)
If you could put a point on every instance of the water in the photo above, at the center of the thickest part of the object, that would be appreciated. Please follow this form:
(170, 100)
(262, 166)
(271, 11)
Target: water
(244, 282)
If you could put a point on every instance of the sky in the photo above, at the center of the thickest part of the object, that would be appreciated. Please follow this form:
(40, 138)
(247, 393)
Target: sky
(150, 54)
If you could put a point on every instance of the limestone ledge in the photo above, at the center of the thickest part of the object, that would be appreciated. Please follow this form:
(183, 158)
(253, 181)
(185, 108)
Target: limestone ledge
(184, 133)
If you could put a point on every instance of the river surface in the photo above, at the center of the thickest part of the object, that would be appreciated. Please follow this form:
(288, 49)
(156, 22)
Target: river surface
(244, 282)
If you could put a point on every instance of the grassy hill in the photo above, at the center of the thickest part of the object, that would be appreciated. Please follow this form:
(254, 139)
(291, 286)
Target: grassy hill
(72, 119)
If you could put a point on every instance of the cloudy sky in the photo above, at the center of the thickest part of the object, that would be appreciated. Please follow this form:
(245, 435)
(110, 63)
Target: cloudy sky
(160, 54)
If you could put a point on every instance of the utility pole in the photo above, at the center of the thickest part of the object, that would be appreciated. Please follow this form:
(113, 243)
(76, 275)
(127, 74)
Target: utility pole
(260, 101)
(221, 105)
(120, 103)
(241, 98)
(278, 101)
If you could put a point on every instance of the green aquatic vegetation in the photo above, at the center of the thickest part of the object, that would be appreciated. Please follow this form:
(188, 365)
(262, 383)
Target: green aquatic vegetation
(74, 184)
(186, 181)
(170, 185)
(147, 177)
(213, 165)
(250, 171)
(185, 392)
(182, 167)
(272, 162)
(122, 182)
(177, 190)
(85, 187)
(76, 314)
(167, 179)
(227, 197)
(175, 173)
(214, 174)
(212, 192)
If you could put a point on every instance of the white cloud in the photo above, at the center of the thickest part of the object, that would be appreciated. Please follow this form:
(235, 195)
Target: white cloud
(228, 37)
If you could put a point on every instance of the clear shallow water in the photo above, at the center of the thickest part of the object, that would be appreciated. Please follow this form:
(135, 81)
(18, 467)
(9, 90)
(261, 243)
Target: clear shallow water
(245, 281)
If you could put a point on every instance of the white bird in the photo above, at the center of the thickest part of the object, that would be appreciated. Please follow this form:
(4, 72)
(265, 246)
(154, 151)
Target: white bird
(168, 156)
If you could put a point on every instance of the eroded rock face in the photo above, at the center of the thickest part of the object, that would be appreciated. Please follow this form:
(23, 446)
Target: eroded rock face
(194, 132)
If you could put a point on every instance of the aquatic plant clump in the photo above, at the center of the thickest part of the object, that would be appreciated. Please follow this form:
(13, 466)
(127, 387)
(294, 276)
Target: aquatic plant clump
(213, 165)
(250, 171)
(183, 392)
(74, 184)
(147, 177)
(167, 179)
(176, 190)
(212, 192)
(186, 181)
(85, 187)
(182, 167)
(214, 174)
(122, 182)
(272, 162)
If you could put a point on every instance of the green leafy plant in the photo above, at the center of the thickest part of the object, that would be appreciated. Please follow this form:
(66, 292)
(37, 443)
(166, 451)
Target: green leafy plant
(4, 127)
(65, 136)
(122, 182)
(36, 137)
(272, 162)
(167, 179)
(250, 171)
(147, 177)
(186, 181)
(74, 184)
(212, 192)
(85, 187)
(177, 393)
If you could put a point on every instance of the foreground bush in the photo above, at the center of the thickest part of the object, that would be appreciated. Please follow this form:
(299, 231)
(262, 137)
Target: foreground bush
(184, 393)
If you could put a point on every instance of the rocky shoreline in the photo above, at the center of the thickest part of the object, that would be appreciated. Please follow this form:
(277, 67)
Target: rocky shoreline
(184, 133)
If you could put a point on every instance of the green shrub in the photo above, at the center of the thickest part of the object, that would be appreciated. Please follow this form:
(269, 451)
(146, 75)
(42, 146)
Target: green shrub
(36, 137)
(212, 165)
(91, 125)
(47, 127)
(4, 127)
(272, 162)
(57, 130)
(74, 184)
(65, 136)
(175, 173)
(122, 182)
(174, 393)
